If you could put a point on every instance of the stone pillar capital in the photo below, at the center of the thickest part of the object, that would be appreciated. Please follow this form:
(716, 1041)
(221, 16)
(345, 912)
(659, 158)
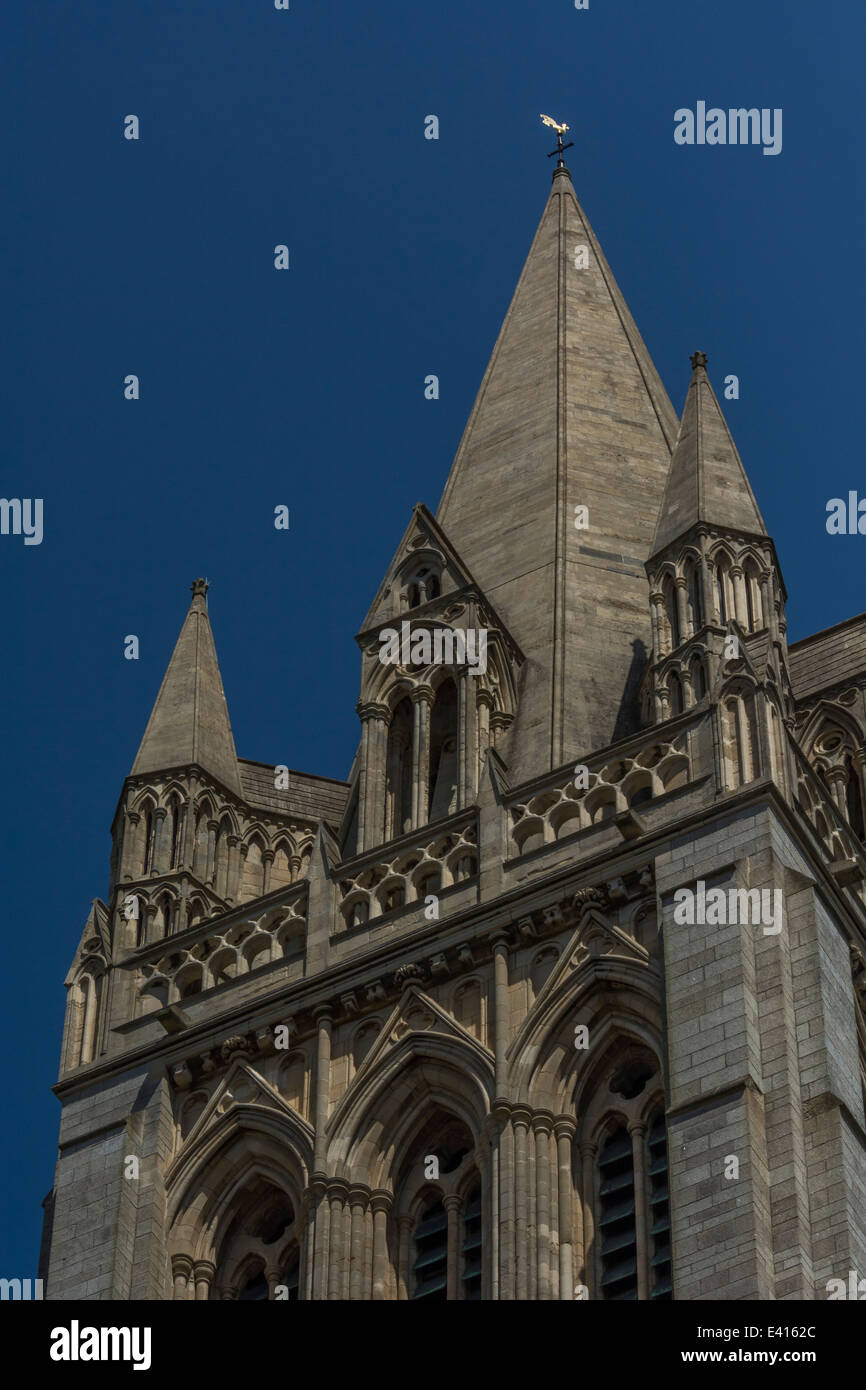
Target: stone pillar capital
(565, 1127)
(381, 1201)
(542, 1122)
(372, 709)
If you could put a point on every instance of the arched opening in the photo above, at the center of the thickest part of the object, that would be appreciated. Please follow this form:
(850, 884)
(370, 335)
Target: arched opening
(754, 606)
(221, 857)
(439, 1181)
(422, 587)
(259, 1251)
(675, 687)
(174, 831)
(617, 1225)
(699, 678)
(443, 752)
(724, 606)
(694, 596)
(398, 807)
(672, 615)
(147, 858)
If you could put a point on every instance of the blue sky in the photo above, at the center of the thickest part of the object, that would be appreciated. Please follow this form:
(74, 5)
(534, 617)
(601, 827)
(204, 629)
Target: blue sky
(305, 388)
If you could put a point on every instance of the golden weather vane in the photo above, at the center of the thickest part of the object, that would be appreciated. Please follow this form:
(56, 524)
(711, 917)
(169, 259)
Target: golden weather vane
(560, 131)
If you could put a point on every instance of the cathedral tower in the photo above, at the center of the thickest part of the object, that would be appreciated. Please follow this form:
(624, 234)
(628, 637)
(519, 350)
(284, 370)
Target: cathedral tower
(562, 994)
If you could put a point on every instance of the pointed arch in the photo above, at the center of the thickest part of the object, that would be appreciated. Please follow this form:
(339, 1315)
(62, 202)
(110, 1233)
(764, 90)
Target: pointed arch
(372, 1126)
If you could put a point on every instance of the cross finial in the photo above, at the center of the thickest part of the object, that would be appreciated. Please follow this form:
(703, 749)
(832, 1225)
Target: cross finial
(199, 587)
(560, 129)
(698, 359)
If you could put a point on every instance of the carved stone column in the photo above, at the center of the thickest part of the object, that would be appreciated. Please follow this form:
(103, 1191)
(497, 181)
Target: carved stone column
(371, 809)
(543, 1128)
(181, 1269)
(657, 603)
(267, 861)
(380, 1203)
(500, 1009)
(587, 1156)
(520, 1120)
(203, 1273)
(357, 1207)
(337, 1194)
(212, 828)
(318, 1190)
(236, 854)
(323, 1085)
(505, 1142)
(130, 853)
(564, 1130)
(686, 629)
(485, 705)
(738, 580)
(422, 701)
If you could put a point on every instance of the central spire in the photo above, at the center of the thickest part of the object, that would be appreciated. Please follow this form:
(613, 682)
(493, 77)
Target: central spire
(571, 414)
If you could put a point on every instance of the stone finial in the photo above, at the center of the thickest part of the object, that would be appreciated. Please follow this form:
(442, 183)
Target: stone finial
(199, 587)
(698, 359)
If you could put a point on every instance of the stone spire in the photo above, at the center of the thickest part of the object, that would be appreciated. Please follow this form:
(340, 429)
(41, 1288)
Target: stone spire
(571, 413)
(190, 719)
(707, 481)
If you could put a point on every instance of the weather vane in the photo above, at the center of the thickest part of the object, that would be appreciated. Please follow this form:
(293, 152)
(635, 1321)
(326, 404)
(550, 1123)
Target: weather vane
(560, 131)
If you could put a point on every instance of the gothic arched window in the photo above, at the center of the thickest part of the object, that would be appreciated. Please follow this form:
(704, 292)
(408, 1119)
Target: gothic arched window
(398, 807)
(431, 1252)
(617, 1223)
(174, 826)
(694, 597)
(422, 586)
(440, 1198)
(147, 861)
(754, 607)
(723, 589)
(443, 752)
(699, 678)
(672, 613)
(258, 1254)
(675, 686)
